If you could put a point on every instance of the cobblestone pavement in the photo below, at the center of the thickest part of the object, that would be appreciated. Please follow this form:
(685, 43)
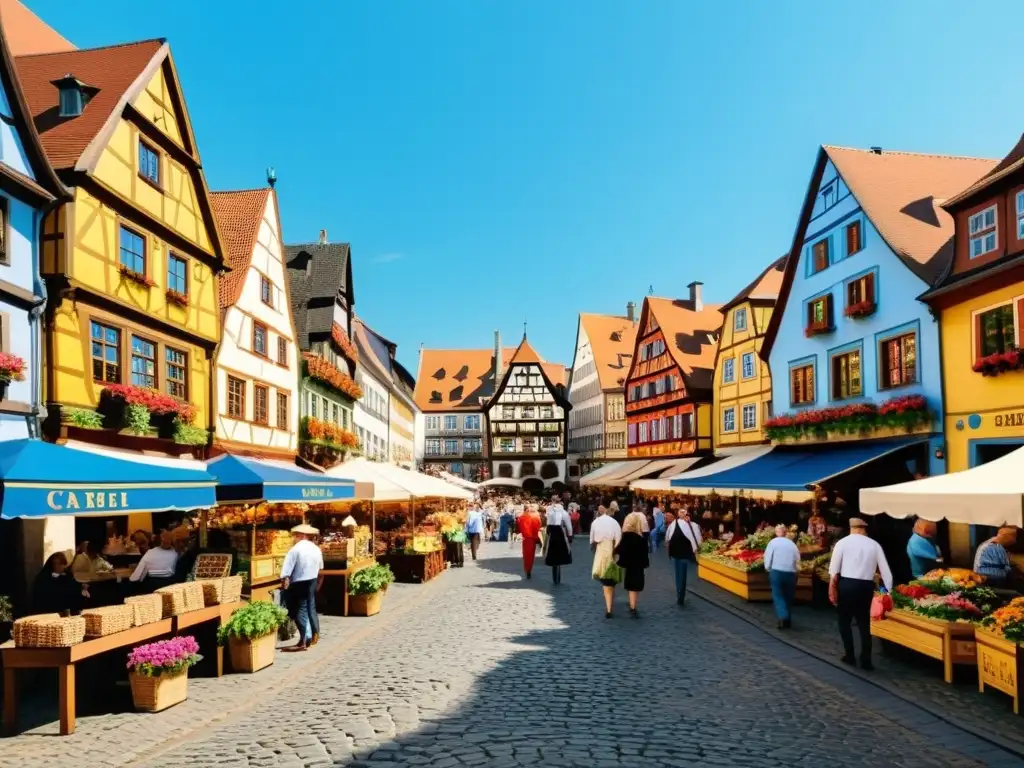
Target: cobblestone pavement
(483, 668)
(899, 670)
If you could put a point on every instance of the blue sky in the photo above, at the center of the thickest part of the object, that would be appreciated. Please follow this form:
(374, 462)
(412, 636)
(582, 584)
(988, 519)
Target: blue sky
(492, 162)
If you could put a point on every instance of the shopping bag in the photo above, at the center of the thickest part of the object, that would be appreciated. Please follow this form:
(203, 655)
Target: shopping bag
(614, 572)
(881, 604)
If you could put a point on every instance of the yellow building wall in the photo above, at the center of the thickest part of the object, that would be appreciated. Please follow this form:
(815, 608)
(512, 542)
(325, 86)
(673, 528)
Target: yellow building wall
(977, 407)
(757, 390)
(156, 103)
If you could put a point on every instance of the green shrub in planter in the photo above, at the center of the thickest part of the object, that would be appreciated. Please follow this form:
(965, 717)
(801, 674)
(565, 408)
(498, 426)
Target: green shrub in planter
(82, 417)
(136, 419)
(253, 621)
(370, 580)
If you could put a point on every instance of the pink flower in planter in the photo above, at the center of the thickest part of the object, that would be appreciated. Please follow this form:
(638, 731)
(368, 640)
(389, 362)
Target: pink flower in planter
(12, 367)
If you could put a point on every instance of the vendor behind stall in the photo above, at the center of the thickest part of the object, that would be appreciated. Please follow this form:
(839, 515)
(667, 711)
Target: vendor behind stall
(89, 563)
(54, 591)
(993, 561)
(156, 568)
(921, 549)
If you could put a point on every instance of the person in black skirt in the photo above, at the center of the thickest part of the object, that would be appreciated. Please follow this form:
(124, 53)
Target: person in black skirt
(557, 543)
(634, 557)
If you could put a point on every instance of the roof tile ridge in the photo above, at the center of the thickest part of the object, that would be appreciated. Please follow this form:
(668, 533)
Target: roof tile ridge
(160, 40)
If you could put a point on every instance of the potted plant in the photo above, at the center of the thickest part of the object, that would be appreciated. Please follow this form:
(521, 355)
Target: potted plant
(454, 539)
(251, 635)
(365, 588)
(6, 618)
(158, 672)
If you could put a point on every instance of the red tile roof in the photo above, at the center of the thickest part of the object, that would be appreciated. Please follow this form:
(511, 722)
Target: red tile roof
(691, 336)
(524, 354)
(27, 33)
(765, 287)
(1013, 161)
(113, 70)
(612, 339)
(239, 215)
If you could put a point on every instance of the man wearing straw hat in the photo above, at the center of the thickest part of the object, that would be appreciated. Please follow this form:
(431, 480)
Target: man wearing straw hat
(300, 578)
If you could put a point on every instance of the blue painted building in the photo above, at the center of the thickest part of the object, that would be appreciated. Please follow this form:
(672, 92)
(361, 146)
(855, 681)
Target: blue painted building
(29, 188)
(849, 328)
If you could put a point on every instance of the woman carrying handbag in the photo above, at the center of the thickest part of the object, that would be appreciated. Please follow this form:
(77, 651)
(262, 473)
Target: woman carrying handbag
(605, 535)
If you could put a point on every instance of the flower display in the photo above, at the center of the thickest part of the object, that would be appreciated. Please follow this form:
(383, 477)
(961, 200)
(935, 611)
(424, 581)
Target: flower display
(175, 297)
(136, 277)
(339, 337)
(905, 412)
(328, 432)
(322, 370)
(1008, 621)
(956, 594)
(860, 309)
(166, 657)
(12, 367)
(999, 362)
(152, 400)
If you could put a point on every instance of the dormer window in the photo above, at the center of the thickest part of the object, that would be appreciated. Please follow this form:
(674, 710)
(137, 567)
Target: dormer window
(74, 95)
(982, 228)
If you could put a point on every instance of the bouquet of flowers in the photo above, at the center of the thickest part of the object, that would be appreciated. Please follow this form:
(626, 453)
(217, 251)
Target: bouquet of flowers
(166, 657)
(1008, 621)
(955, 594)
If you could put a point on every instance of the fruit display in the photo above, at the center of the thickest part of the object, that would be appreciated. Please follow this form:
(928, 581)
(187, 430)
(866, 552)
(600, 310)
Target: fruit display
(337, 546)
(955, 594)
(958, 577)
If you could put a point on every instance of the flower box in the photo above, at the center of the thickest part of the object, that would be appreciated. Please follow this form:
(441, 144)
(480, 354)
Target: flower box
(951, 642)
(252, 655)
(324, 371)
(899, 415)
(1000, 362)
(999, 664)
(158, 672)
(339, 337)
(12, 368)
(818, 329)
(176, 298)
(136, 277)
(752, 586)
(160, 692)
(365, 605)
(860, 309)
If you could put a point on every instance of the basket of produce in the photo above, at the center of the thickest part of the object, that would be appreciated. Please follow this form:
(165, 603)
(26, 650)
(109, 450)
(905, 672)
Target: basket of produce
(108, 620)
(213, 591)
(174, 599)
(22, 631)
(232, 590)
(54, 633)
(146, 609)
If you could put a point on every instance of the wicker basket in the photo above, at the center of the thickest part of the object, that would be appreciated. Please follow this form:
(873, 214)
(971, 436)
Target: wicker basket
(174, 599)
(108, 620)
(232, 591)
(146, 609)
(23, 630)
(213, 591)
(154, 694)
(53, 633)
(252, 655)
(193, 592)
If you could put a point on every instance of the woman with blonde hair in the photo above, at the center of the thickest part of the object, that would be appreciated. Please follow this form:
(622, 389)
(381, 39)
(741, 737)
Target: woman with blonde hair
(634, 557)
(605, 535)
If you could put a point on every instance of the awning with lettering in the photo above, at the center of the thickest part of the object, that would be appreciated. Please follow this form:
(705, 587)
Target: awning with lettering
(40, 479)
(246, 480)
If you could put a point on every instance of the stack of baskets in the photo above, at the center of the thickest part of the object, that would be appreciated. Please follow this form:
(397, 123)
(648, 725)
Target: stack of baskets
(221, 591)
(108, 620)
(48, 630)
(146, 609)
(181, 598)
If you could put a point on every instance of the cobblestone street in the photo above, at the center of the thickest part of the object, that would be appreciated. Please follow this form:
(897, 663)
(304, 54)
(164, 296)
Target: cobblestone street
(483, 668)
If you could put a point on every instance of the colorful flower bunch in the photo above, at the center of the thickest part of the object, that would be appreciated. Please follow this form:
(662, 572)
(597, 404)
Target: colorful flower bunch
(166, 657)
(152, 400)
(956, 594)
(328, 432)
(176, 297)
(339, 337)
(860, 309)
(1000, 362)
(12, 367)
(817, 329)
(322, 370)
(1008, 621)
(908, 412)
(136, 277)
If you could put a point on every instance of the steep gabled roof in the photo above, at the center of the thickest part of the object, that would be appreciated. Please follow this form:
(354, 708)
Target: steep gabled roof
(765, 286)
(28, 33)
(239, 216)
(690, 336)
(373, 350)
(1013, 161)
(524, 354)
(45, 185)
(117, 71)
(612, 339)
(902, 194)
(317, 274)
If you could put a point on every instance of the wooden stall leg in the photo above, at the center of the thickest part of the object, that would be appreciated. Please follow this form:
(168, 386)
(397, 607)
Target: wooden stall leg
(220, 660)
(10, 702)
(344, 598)
(66, 698)
(947, 657)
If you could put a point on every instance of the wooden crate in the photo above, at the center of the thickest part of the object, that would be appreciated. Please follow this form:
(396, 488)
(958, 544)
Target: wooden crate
(752, 587)
(999, 664)
(947, 641)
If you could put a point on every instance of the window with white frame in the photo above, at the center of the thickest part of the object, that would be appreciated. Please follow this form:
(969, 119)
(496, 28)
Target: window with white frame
(472, 422)
(739, 322)
(729, 371)
(729, 420)
(643, 431)
(750, 416)
(549, 444)
(748, 365)
(451, 447)
(433, 447)
(983, 232)
(451, 422)
(507, 445)
(433, 422)
(1020, 215)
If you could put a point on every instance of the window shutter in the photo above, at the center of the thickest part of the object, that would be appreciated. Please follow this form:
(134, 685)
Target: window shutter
(1020, 321)
(829, 318)
(869, 286)
(810, 314)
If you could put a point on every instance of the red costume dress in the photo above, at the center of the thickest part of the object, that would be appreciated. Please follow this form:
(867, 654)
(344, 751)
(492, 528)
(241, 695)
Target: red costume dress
(529, 527)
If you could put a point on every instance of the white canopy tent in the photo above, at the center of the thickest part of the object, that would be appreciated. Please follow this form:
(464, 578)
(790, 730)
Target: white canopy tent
(989, 494)
(459, 481)
(502, 482)
(393, 483)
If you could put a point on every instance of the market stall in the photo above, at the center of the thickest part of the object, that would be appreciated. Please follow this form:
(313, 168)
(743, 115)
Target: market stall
(406, 507)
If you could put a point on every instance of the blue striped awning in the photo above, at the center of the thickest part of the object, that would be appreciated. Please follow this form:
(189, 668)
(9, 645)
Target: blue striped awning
(243, 479)
(797, 468)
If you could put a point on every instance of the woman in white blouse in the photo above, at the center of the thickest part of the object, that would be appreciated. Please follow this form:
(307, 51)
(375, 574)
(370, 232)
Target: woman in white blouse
(605, 535)
(558, 542)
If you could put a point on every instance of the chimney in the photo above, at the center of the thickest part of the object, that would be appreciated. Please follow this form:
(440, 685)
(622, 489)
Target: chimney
(695, 296)
(497, 358)
(876, 150)
(631, 312)
(323, 237)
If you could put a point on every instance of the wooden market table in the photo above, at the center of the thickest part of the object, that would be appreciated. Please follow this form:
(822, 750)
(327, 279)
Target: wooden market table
(335, 587)
(414, 567)
(1000, 663)
(752, 586)
(64, 661)
(950, 642)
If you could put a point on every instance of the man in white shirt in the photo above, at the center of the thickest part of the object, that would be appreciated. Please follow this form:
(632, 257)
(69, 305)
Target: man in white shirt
(683, 539)
(782, 561)
(159, 563)
(300, 579)
(855, 560)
